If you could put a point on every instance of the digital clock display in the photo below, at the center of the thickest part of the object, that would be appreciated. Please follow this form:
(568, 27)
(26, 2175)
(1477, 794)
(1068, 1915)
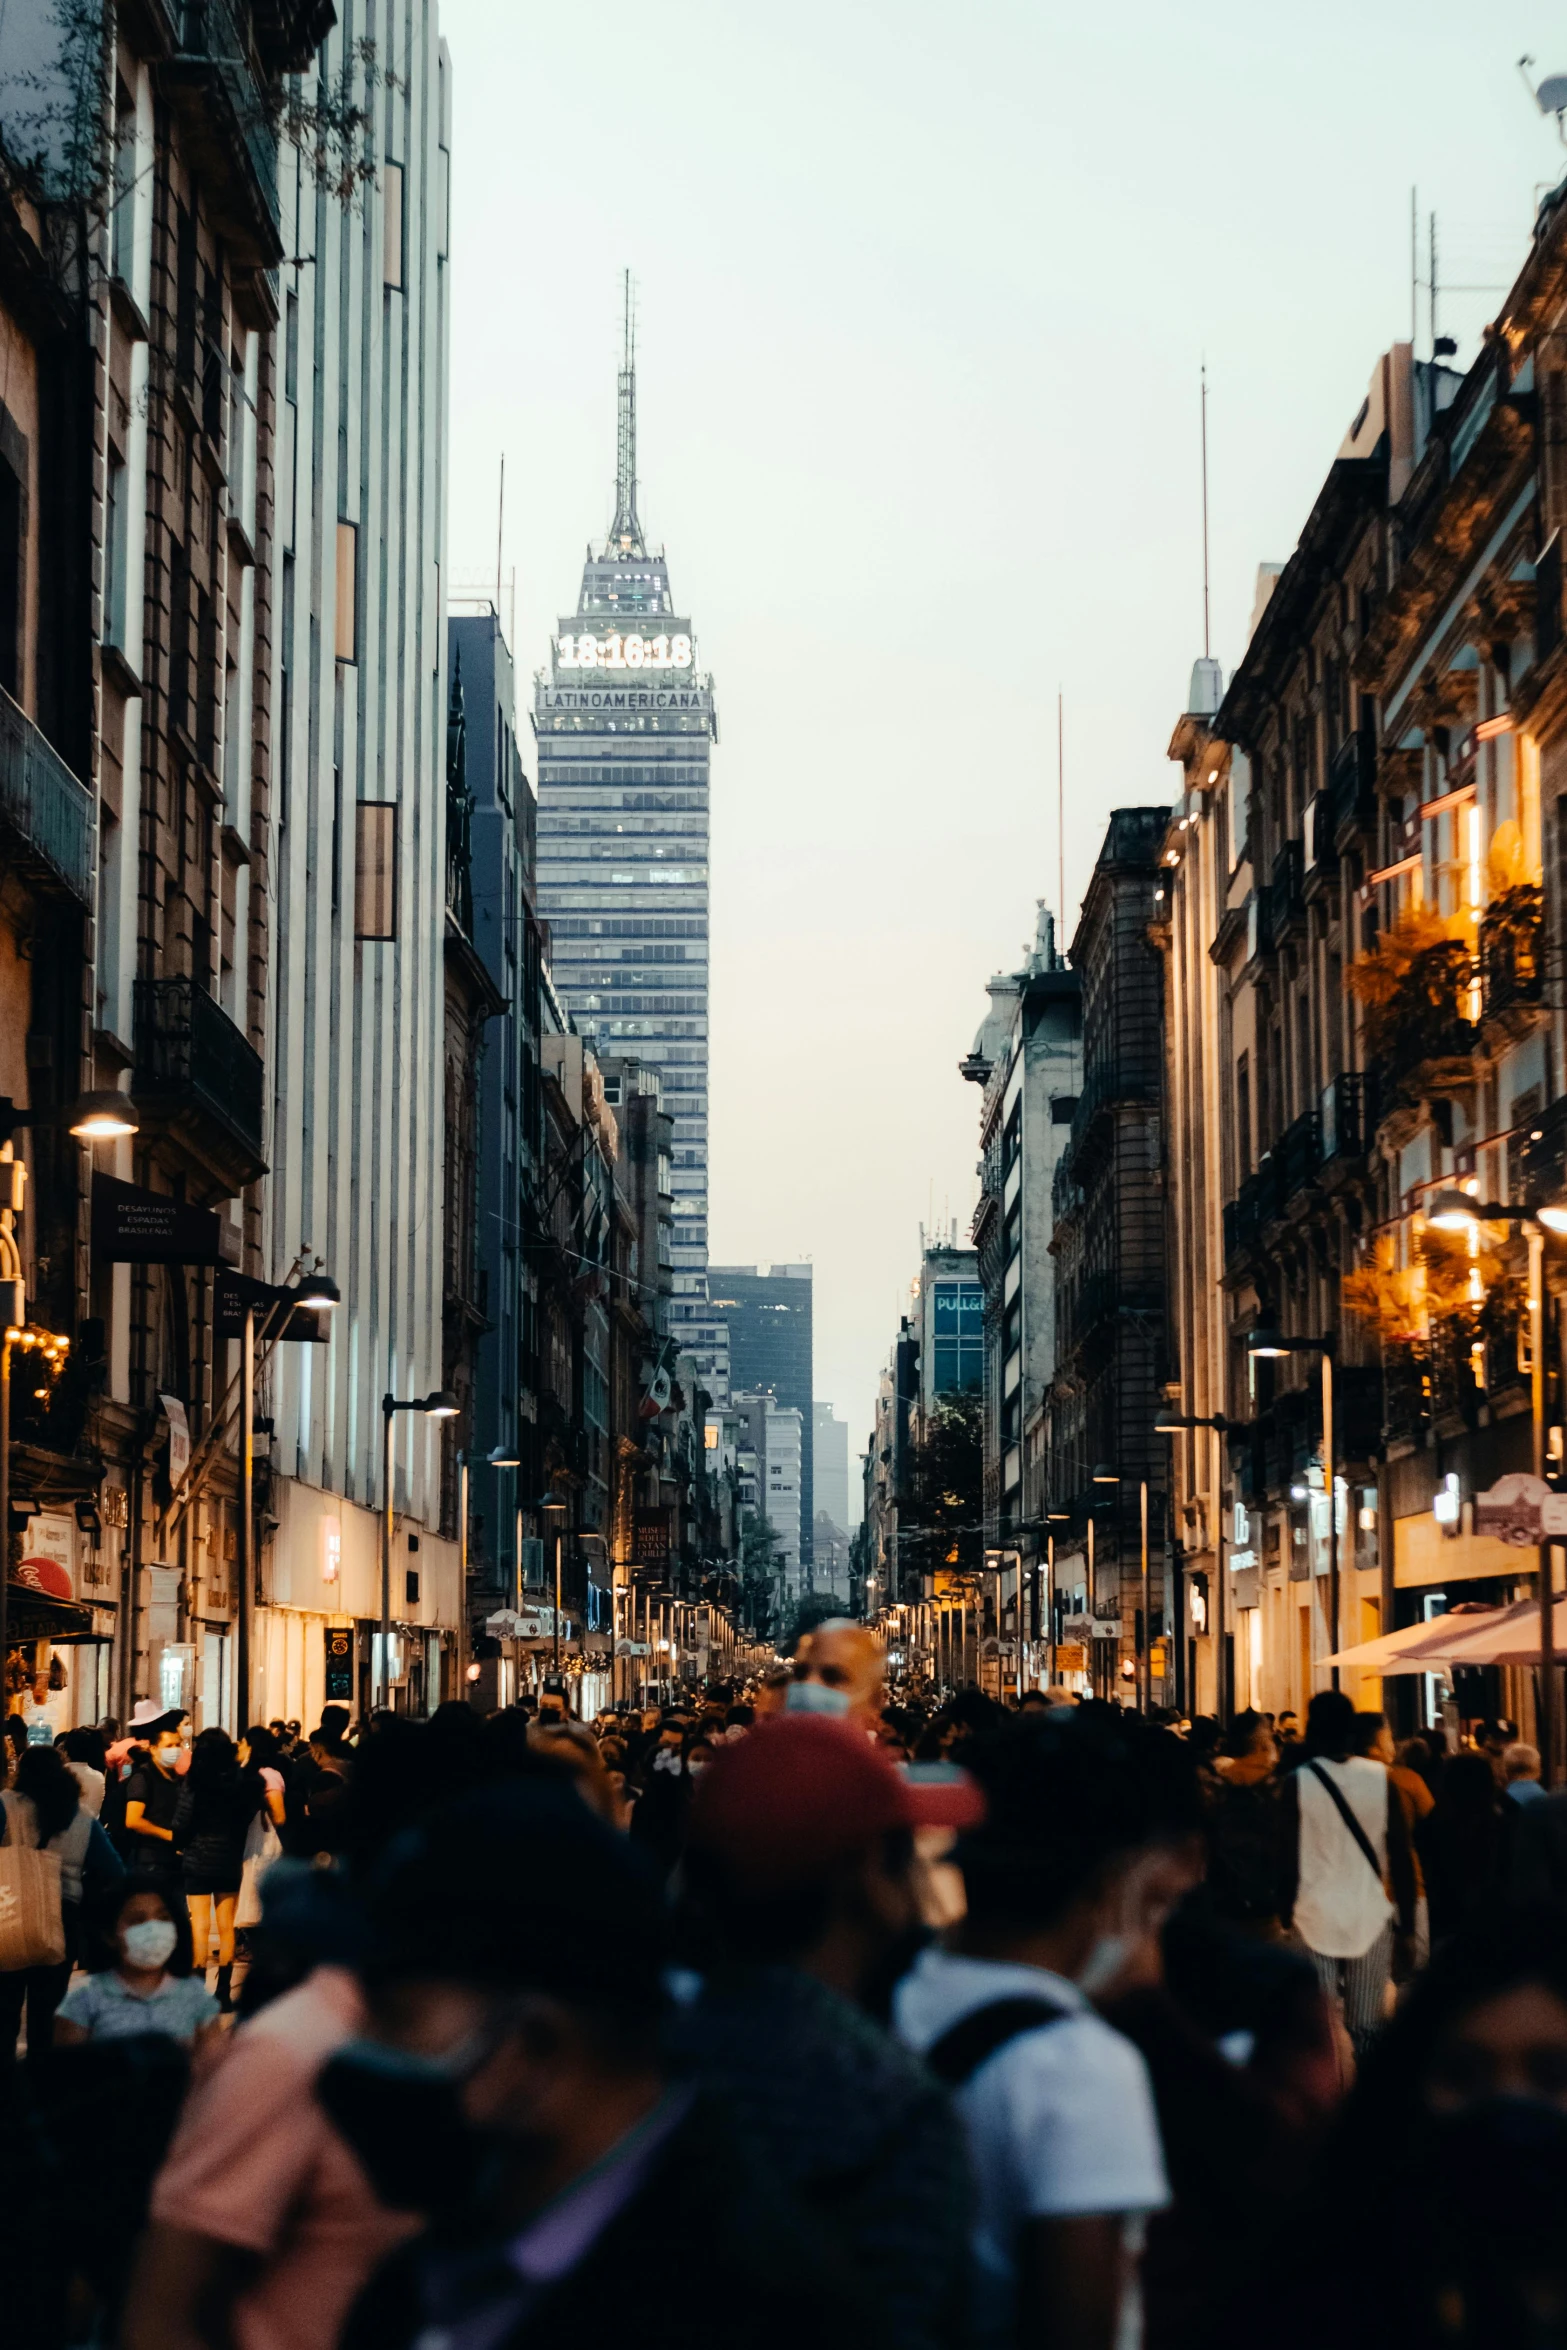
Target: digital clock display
(615, 651)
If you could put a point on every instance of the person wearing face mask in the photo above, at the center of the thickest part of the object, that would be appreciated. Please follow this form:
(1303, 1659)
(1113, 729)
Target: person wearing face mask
(262, 2224)
(152, 1795)
(1459, 2117)
(148, 1985)
(804, 1894)
(1059, 2112)
(840, 1668)
(514, 2087)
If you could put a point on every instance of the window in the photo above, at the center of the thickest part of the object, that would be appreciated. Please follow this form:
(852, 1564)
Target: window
(375, 869)
(291, 349)
(13, 557)
(1243, 1111)
(123, 226)
(347, 591)
(392, 224)
(114, 556)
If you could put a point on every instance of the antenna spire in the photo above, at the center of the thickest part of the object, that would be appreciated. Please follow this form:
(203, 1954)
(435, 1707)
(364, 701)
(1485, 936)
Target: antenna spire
(1207, 648)
(626, 533)
(1206, 642)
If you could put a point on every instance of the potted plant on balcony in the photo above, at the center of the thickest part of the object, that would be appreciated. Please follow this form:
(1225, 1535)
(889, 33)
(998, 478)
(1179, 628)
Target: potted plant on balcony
(1416, 983)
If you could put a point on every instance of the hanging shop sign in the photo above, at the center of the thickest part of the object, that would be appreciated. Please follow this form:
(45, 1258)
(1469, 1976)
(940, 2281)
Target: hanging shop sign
(131, 1226)
(236, 1292)
(1070, 1657)
(339, 1641)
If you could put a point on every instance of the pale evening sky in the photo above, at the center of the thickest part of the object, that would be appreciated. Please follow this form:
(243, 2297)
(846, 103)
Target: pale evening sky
(923, 295)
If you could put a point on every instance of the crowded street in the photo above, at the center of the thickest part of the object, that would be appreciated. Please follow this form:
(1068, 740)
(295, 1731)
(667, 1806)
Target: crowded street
(889, 2011)
(783, 1504)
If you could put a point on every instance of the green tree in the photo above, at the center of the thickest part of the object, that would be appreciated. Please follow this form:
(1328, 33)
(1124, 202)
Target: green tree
(947, 1477)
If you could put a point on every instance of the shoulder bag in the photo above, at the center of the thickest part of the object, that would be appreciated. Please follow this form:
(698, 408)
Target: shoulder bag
(32, 1922)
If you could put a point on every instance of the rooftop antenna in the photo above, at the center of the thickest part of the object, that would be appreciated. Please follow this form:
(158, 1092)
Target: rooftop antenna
(500, 528)
(1206, 647)
(1550, 97)
(626, 533)
(1061, 803)
(1414, 270)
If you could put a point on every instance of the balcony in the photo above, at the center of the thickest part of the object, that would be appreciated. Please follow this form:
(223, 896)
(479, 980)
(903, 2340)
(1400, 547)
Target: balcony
(1545, 1153)
(1351, 792)
(199, 1080)
(1512, 960)
(1289, 890)
(1345, 1116)
(215, 84)
(1300, 1154)
(47, 813)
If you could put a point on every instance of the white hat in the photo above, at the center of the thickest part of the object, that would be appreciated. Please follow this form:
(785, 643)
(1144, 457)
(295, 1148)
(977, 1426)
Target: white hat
(148, 1713)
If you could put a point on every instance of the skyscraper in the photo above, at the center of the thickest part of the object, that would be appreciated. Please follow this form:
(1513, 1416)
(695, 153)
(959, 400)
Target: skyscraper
(625, 722)
(767, 1317)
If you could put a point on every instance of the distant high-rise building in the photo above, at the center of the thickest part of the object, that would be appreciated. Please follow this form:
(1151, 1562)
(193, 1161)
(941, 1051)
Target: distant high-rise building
(768, 1318)
(830, 1495)
(625, 723)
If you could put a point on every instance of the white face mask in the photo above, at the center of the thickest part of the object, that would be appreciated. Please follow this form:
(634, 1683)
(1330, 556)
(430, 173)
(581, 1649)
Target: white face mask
(150, 1943)
(814, 1697)
(1103, 1963)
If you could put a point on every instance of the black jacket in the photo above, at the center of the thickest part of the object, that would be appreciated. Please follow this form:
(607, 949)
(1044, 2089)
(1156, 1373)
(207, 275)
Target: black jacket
(855, 2127)
(742, 2268)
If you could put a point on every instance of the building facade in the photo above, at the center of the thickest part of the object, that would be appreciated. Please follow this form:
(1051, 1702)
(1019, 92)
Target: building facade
(495, 914)
(1108, 1244)
(1028, 1058)
(357, 982)
(625, 723)
(766, 1313)
(830, 1494)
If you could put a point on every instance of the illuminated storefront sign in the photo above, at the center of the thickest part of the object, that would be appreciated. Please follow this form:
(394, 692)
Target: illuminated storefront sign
(615, 651)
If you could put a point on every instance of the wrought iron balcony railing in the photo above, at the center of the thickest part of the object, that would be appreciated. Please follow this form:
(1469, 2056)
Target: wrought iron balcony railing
(48, 813)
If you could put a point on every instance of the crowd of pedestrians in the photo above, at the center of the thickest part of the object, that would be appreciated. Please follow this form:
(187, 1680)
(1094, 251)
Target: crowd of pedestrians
(805, 2006)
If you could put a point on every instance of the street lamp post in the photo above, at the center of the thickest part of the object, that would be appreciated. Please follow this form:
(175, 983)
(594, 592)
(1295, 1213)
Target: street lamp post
(320, 1295)
(1455, 1211)
(1268, 1345)
(442, 1405)
(1175, 1424)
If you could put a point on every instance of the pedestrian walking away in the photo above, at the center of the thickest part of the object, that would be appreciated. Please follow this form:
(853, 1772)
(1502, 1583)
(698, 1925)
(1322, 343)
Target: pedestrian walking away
(1344, 1844)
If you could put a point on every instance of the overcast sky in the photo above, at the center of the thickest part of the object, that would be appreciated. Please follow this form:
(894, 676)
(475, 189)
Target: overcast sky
(923, 296)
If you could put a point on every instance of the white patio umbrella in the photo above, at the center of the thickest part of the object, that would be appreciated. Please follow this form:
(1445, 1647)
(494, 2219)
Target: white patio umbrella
(1420, 1648)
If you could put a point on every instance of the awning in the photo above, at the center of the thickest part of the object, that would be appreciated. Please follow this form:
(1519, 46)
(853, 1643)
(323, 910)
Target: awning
(38, 1615)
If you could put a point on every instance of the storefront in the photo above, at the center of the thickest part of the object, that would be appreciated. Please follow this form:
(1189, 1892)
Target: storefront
(318, 1633)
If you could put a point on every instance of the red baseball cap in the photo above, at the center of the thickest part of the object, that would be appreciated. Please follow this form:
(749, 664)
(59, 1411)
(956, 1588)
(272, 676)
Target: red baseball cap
(802, 1791)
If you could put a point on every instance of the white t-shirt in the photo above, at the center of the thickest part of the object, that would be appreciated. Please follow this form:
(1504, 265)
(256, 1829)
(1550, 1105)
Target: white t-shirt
(1060, 2121)
(1341, 1906)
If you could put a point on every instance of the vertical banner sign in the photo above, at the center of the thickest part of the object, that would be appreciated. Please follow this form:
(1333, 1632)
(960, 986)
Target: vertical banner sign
(179, 1437)
(339, 1664)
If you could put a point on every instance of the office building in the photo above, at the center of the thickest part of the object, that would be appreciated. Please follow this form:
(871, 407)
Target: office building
(767, 1314)
(625, 723)
(490, 917)
(831, 1495)
(356, 986)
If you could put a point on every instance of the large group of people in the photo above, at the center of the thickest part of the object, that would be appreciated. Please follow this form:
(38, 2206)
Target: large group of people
(901, 2017)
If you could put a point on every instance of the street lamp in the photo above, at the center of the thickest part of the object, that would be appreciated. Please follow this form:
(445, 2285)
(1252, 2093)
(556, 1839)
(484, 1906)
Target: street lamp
(442, 1405)
(320, 1294)
(1271, 1345)
(1105, 1475)
(1455, 1211)
(1176, 1424)
(551, 1505)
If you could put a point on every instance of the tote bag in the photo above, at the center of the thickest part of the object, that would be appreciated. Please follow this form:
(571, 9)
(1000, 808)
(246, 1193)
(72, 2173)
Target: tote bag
(262, 1846)
(32, 1923)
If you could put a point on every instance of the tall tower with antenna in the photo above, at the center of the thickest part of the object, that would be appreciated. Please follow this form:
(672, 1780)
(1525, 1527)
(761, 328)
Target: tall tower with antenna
(626, 531)
(625, 723)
